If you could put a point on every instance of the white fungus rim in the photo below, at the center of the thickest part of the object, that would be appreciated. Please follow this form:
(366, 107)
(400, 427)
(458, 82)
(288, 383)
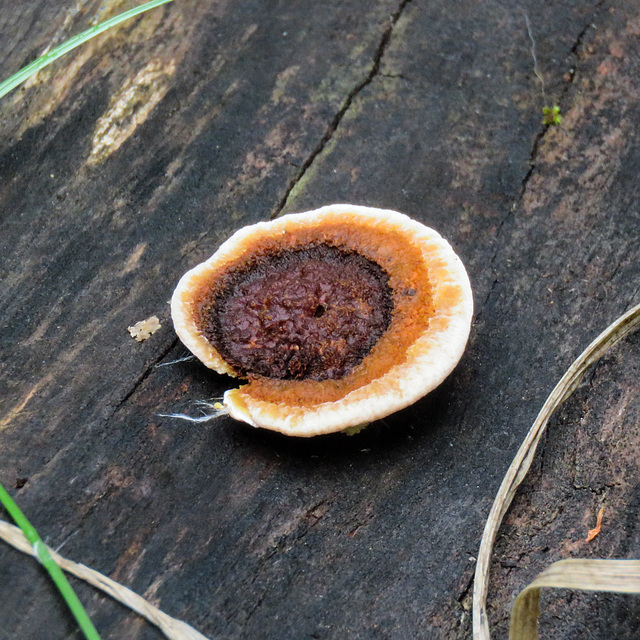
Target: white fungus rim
(431, 358)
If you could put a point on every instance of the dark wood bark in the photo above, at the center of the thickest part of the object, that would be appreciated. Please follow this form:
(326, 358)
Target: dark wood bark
(130, 160)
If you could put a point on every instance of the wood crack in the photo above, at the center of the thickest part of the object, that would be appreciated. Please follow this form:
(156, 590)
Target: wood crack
(570, 77)
(346, 105)
(537, 142)
(144, 375)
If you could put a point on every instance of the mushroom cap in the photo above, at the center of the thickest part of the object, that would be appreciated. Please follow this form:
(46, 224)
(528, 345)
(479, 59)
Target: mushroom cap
(433, 309)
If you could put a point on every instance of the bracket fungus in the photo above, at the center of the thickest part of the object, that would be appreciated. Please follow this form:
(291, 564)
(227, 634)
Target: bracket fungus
(334, 317)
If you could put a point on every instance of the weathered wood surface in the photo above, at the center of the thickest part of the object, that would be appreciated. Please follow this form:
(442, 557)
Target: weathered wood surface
(130, 160)
(589, 461)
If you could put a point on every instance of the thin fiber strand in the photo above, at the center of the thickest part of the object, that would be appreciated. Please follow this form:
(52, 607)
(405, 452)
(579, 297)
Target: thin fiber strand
(217, 410)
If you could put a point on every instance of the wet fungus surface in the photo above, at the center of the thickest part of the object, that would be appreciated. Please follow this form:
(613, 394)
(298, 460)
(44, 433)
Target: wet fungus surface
(334, 317)
(310, 313)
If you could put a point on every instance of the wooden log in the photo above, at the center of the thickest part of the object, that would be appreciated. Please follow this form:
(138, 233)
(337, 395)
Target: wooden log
(129, 161)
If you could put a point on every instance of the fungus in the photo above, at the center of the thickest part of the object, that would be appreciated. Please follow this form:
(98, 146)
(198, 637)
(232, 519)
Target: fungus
(334, 317)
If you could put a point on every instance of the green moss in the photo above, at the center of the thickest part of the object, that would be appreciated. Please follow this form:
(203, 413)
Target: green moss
(351, 431)
(551, 115)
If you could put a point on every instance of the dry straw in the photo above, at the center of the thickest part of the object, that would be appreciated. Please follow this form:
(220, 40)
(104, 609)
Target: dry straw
(593, 575)
(172, 628)
(621, 576)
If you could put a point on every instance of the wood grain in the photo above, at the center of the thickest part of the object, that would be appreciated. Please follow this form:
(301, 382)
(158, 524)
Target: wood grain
(132, 159)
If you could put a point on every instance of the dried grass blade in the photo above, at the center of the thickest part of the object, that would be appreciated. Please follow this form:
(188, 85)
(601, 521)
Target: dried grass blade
(42, 553)
(622, 576)
(171, 627)
(518, 469)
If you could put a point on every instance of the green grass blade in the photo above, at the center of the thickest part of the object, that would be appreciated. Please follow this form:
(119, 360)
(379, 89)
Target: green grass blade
(40, 549)
(72, 43)
(43, 555)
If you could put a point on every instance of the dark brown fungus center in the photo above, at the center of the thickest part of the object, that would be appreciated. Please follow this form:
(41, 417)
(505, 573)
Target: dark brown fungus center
(310, 313)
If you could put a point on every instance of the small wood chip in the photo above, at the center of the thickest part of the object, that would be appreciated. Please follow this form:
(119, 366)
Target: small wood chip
(596, 530)
(145, 328)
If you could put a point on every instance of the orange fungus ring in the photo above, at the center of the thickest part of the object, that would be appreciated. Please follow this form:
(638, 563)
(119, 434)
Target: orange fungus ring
(335, 317)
